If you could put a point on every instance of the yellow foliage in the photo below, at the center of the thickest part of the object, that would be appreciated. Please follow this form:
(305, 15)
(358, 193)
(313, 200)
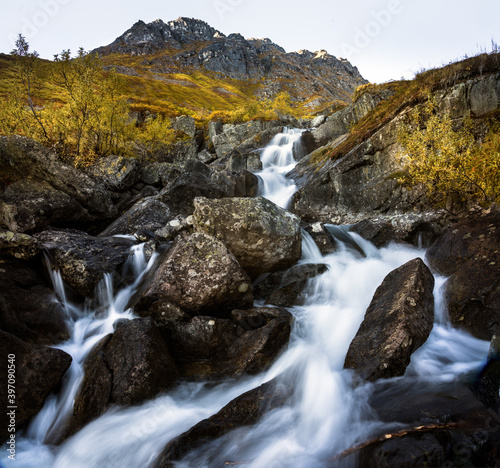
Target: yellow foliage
(448, 162)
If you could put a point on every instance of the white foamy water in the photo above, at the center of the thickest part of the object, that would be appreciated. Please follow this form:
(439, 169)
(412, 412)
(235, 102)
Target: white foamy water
(326, 414)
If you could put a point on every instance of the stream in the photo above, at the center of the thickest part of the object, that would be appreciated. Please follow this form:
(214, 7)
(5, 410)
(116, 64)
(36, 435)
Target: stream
(327, 414)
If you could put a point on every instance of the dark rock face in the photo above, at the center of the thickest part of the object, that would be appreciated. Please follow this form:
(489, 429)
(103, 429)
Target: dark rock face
(146, 215)
(194, 182)
(17, 245)
(243, 411)
(199, 275)
(39, 370)
(262, 236)
(397, 322)
(125, 368)
(284, 288)
(28, 308)
(247, 343)
(469, 252)
(83, 259)
(30, 205)
(21, 157)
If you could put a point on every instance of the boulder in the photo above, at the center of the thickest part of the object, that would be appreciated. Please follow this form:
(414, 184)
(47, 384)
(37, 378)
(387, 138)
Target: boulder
(83, 259)
(38, 371)
(28, 307)
(22, 157)
(126, 368)
(322, 238)
(212, 348)
(116, 172)
(160, 174)
(469, 252)
(149, 214)
(194, 182)
(181, 152)
(263, 237)
(30, 205)
(244, 410)
(232, 135)
(397, 322)
(284, 288)
(199, 275)
(185, 124)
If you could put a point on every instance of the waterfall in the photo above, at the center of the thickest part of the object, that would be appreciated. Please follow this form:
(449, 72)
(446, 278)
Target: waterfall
(327, 413)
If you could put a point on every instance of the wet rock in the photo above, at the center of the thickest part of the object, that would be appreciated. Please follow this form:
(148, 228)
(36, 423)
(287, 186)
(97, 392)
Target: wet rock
(200, 275)
(83, 259)
(470, 252)
(263, 237)
(30, 205)
(146, 215)
(116, 172)
(39, 370)
(397, 322)
(322, 238)
(243, 411)
(420, 230)
(284, 288)
(22, 157)
(126, 368)
(28, 307)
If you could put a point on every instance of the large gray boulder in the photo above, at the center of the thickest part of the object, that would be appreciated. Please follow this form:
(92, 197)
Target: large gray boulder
(263, 237)
(116, 172)
(199, 275)
(397, 322)
(83, 259)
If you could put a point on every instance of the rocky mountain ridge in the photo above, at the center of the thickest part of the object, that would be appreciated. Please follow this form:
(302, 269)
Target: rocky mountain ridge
(189, 44)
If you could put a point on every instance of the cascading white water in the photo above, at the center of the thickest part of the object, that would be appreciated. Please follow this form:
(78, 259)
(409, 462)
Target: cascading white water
(277, 160)
(326, 414)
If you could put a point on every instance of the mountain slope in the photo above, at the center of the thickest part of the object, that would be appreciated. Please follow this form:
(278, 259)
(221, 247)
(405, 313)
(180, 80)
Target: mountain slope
(188, 45)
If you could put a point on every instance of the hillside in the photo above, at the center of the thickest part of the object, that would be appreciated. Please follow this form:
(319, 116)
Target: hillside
(188, 52)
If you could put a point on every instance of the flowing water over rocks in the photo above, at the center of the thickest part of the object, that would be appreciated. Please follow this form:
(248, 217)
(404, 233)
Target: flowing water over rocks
(311, 410)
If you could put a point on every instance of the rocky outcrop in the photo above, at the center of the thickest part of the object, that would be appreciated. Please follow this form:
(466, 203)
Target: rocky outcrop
(125, 368)
(38, 371)
(243, 411)
(365, 182)
(199, 275)
(83, 259)
(30, 205)
(397, 322)
(263, 237)
(469, 252)
(22, 158)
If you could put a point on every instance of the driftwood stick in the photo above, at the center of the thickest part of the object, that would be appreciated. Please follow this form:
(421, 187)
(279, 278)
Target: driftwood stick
(393, 435)
(357, 448)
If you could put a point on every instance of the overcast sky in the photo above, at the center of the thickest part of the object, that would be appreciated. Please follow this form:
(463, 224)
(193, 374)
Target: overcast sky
(385, 39)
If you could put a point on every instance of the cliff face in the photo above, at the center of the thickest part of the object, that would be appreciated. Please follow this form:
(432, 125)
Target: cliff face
(189, 44)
